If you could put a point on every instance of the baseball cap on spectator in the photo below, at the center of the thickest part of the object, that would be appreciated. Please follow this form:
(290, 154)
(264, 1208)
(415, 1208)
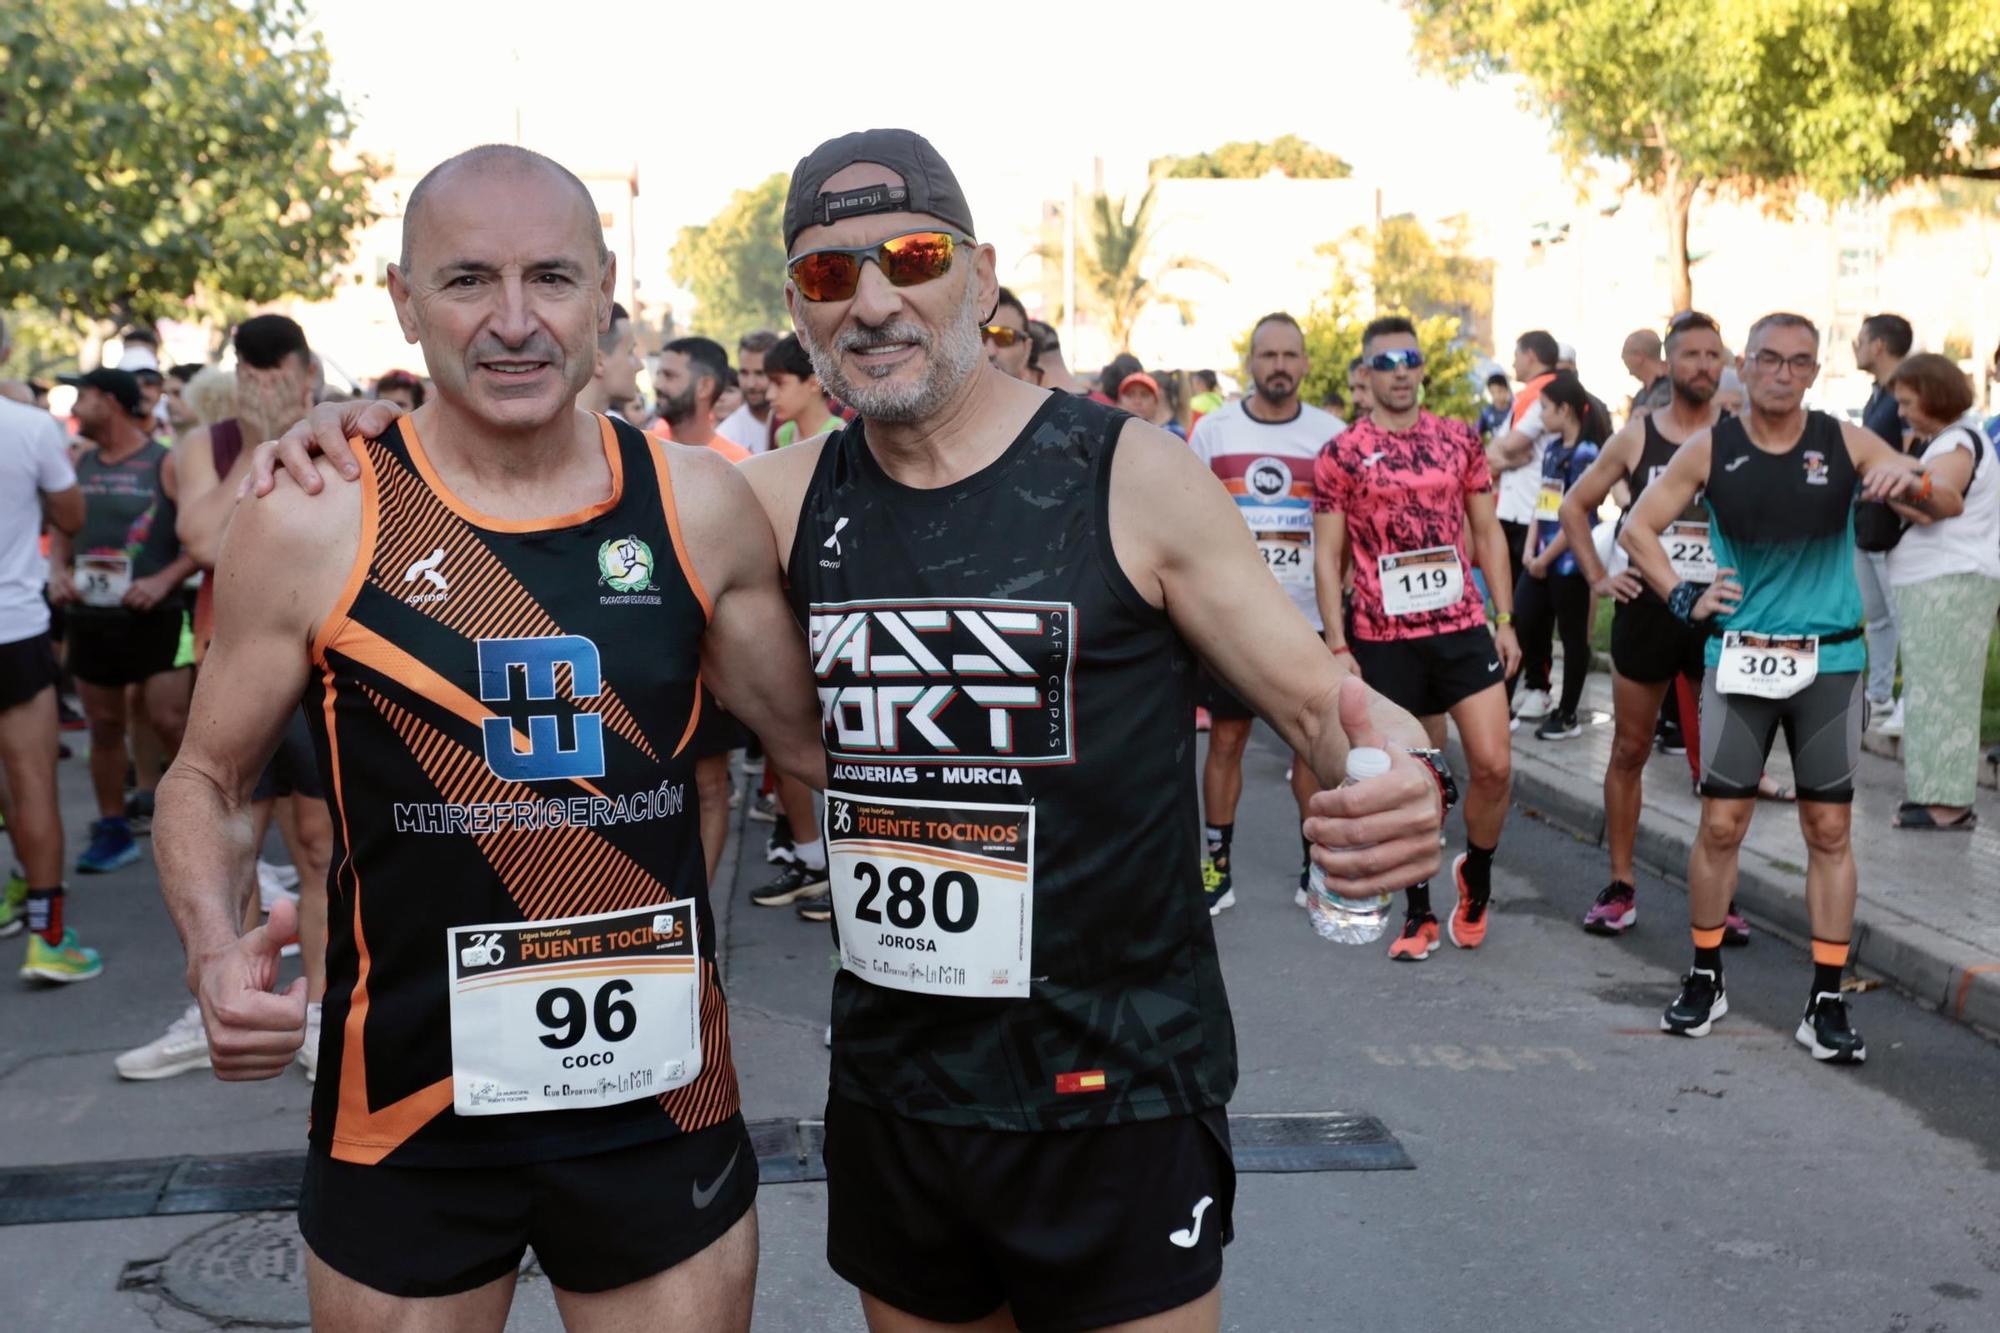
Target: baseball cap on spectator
(928, 183)
(138, 356)
(122, 385)
(1140, 378)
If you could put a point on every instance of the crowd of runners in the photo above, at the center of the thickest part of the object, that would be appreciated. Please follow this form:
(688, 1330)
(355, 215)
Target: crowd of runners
(958, 615)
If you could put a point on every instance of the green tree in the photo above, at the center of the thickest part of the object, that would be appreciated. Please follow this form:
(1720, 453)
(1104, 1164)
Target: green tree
(171, 159)
(735, 264)
(1839, 97)
(1243, 159)
(1412, 271)
(1117, 276)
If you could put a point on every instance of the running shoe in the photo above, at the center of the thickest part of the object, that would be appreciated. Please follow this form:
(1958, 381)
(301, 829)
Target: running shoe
(111, 848)
(1669, 739)
(779, 850)
(1468, 919)
(1827, 1033)
(1532, 704)
(794, 882)
(65, 962)
(1702, 1000)
(815, 909)
(183, 1046)
(275, 882)
(764, 809)
(1303, 894)
(1559, 726)
(1735, 930)
(1216, 884)
(14, 905)
(139, 812)
(309, 1052)
(1890, 722)
(1418, 941)
(1614, 911)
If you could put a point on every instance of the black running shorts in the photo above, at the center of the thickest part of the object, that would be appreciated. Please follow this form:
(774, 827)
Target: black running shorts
(1649, 643)
(27, 667)
(1220, 701)
(294, 768)
(1428, 676)
(597, 1222)
(118, 647)
(1072, 1229)
(1822, 726)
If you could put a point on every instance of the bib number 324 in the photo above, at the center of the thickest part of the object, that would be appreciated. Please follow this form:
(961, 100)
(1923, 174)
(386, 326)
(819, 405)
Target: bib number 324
(933, 896)
(580, 1012)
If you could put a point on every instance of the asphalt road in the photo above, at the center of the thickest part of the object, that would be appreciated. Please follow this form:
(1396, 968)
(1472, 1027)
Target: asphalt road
(1576, 1170)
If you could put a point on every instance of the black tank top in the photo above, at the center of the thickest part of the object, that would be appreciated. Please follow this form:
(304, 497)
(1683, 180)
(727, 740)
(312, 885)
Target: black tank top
(441, 818)
(127, 512)
(1655, 455)
(978, 643)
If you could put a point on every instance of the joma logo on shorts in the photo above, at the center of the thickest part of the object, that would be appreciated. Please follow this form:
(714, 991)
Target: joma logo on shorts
(980, 680)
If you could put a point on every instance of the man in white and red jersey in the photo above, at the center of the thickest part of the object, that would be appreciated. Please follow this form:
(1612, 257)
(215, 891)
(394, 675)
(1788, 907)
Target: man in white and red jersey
(1411, 496)
(1262, 447)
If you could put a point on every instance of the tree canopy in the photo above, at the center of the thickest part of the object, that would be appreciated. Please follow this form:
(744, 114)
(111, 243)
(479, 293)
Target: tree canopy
(1833, 96)
(171, 159)
(735, 264)
(1244, 159)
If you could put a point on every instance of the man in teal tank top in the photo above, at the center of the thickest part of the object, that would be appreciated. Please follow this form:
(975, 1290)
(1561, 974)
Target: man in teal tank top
(1784, 651)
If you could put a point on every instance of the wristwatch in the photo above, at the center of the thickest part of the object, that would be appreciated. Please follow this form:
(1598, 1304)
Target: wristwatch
(1447, 784)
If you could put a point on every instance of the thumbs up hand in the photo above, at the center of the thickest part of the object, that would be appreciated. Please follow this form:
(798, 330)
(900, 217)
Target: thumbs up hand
(1381, 835)
(252, 1033)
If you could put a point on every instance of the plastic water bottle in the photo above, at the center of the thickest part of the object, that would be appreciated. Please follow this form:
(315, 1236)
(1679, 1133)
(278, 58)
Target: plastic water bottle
(1350, 920)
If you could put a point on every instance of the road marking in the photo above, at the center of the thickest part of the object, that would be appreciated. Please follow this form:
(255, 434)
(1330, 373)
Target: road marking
(1460, 1059)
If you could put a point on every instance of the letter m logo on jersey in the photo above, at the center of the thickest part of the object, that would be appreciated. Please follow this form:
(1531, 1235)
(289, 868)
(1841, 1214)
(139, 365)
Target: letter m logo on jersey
(515, 670)
(969, 681)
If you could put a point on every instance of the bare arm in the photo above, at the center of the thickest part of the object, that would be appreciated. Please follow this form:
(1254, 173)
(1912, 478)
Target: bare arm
(1482, 513)
(1329, 553)
(1951, 473)
(1579, 510)
(1889, 475)
(1513, 450)
(1181, 543)
(753, 655)
(267, 605)
(205, 503)
(64, 510)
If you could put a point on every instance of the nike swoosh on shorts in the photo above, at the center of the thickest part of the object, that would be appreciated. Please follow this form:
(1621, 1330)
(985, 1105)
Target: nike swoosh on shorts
(704, 1197)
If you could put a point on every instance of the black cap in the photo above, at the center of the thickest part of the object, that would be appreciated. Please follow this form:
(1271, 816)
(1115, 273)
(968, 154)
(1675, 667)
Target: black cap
(928, 184)
(120, 384)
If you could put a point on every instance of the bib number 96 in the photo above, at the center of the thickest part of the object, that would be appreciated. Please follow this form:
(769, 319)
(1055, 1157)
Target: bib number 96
(563, 1010)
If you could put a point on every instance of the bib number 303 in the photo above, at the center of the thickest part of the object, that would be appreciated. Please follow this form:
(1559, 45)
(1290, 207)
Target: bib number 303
(1765, 665)
(933, 896)
(579, 1012)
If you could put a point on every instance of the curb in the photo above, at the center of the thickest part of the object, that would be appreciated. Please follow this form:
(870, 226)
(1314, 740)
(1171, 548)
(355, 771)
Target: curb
(1956, 980)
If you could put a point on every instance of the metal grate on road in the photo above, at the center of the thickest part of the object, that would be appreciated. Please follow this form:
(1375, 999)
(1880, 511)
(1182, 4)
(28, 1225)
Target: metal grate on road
(788, 1152)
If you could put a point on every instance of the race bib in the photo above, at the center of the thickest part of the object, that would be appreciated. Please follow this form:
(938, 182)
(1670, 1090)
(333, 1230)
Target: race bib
(582, 1012)
(933, 896)
(103, 580)
(1549, 502)
(1689, 552)
(1289, 558)
(1414, 581)
(1766, 665)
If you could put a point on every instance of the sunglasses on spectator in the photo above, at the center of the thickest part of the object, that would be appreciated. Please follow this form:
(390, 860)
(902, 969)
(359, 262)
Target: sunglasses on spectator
(1000, 335)
(1401, 358)
(915, 257)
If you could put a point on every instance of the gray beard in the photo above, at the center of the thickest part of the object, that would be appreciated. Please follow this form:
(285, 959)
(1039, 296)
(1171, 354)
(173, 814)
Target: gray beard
(950, 359)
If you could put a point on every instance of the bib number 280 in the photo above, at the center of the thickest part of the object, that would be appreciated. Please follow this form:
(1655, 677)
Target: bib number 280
(953, 899)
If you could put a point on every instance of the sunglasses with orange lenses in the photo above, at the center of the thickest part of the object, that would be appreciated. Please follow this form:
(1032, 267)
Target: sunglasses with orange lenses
(1002, 336)
(908, 260)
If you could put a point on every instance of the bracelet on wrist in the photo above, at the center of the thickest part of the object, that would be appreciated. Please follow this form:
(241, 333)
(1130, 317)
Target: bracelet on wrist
(1682, 599)
(1503, 617)
(1924, 490)
(1340, 648)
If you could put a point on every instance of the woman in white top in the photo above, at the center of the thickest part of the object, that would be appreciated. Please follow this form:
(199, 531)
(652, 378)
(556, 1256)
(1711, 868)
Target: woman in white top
(1945, 576)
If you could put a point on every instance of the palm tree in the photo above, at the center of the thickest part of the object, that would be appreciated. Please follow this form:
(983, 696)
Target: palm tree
(1116, 277)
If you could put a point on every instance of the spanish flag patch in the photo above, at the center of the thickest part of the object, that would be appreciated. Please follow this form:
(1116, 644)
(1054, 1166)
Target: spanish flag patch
(1080, 1080)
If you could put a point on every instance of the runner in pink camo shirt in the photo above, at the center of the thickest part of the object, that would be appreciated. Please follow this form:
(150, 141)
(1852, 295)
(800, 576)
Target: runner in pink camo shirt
(1410, 496)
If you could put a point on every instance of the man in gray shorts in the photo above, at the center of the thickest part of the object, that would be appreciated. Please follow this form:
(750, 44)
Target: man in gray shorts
(1785, 649)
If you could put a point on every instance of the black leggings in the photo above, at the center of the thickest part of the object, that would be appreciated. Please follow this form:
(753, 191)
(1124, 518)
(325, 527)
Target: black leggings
(1558, 604)
(1534, 655)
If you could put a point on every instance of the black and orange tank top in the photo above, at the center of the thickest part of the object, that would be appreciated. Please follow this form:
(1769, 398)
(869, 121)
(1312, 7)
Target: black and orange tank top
(502, 711)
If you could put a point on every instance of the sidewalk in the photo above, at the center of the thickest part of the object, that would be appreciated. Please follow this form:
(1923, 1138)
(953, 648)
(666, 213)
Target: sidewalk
(1929, 915)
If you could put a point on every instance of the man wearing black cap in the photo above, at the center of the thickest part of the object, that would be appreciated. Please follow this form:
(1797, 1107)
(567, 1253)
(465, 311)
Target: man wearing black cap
(991, 604)
(121, 576)
(1032, 1051)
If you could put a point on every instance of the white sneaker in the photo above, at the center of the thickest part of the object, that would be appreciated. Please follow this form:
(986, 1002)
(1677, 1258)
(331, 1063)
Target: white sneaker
(275, 882)
(1533, 704)
(1890, 722)
(183, 1046)
(309, 1053)
(829, 1036)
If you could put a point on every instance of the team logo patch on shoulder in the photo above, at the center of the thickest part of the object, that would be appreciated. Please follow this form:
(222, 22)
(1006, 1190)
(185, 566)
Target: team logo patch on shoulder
(972, 681)
(626, 564)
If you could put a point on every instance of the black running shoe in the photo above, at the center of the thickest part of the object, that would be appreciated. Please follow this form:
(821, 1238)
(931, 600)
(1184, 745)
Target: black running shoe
(1826, 1032)
(779, 850)
(1559, 726)
(794, 882)
(1702, 1000)
(815, 909)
